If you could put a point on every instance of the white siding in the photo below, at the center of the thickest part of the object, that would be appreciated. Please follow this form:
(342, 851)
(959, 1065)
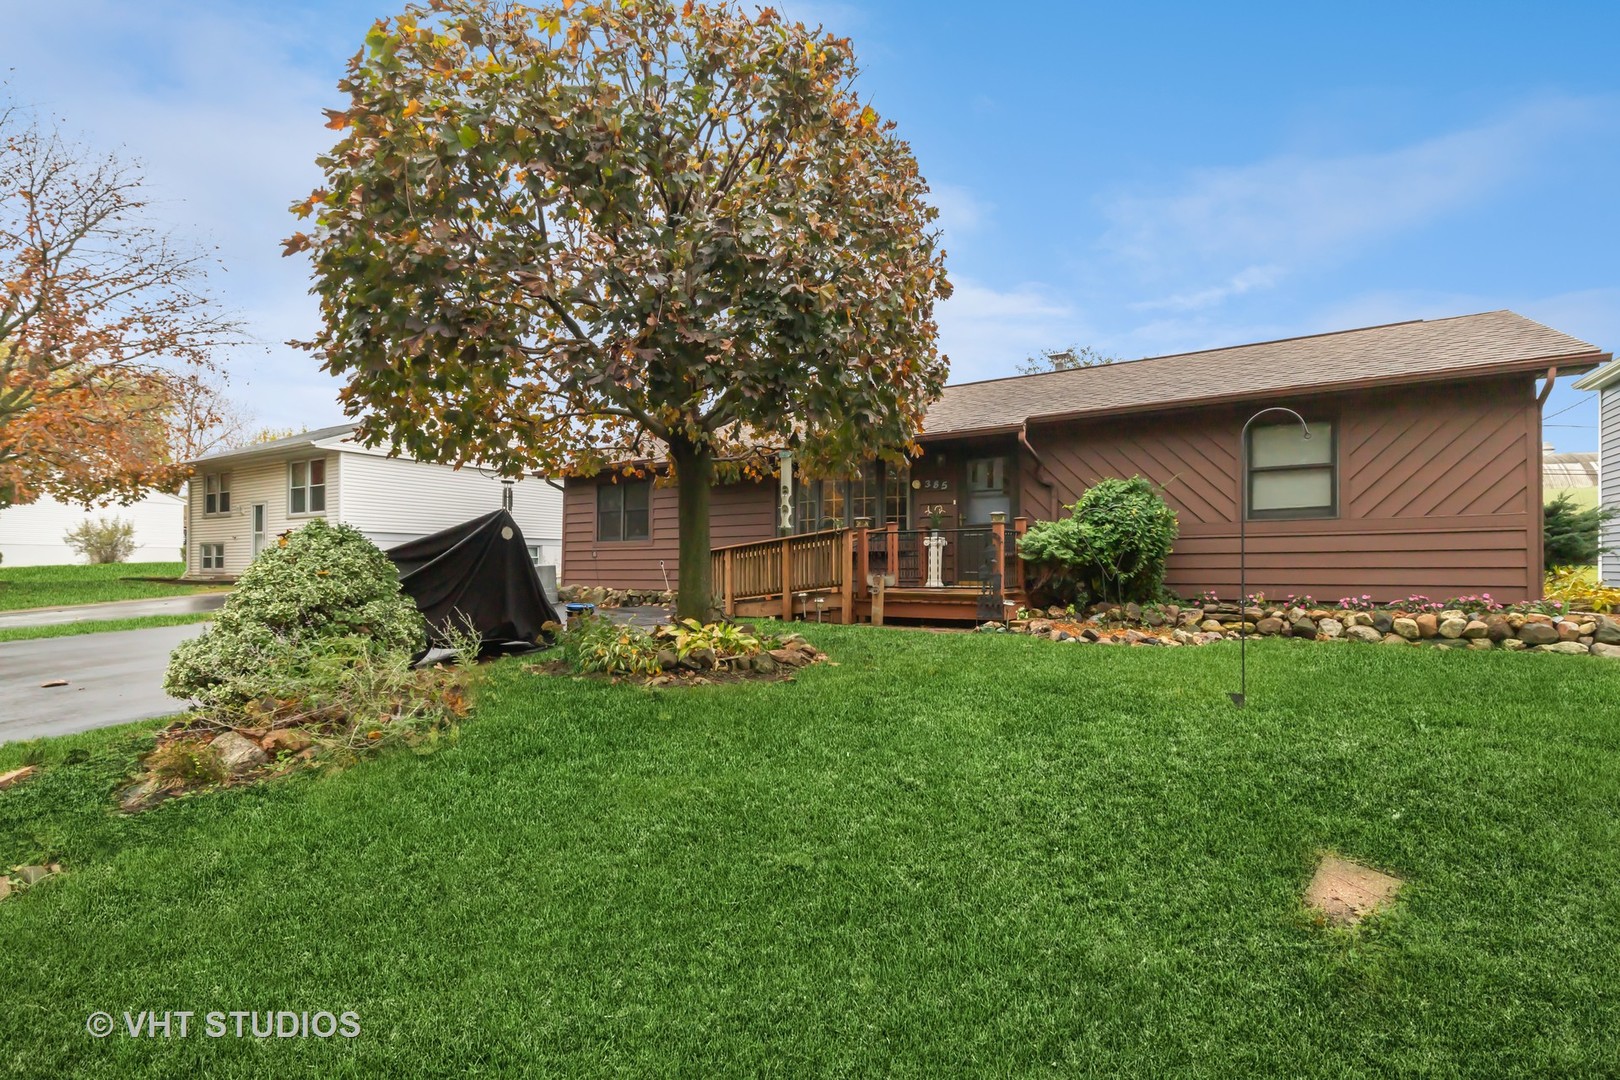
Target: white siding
(1609, 480)
(252, 482)
(32, 535)
(393, 500)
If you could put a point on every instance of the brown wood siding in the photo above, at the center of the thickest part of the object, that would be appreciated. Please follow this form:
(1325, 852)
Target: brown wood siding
(738, 513)
(1439, 493)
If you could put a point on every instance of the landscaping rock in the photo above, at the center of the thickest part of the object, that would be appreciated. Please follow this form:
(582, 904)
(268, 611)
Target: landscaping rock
(1061, 635)
(1304, 627)
(1538, 633)
(1476, 628)
(1600, 648)
(1383, 622)
(789, 657)
(762, 663)
(1357, 618)
(237, 753)
(1428, 624)
(1607, 632)
(142, 795)
(1393, 638)
(1182, 637)
(1040, 626)
(1572, 648)
(17, 776)
(1513, 644)
(1330, 628)
(1210, 626)
(291, 740)
(1481, 644)
(1359, 632)
(1452, 627)
(5, 886)
(1133, 612)
(1268, 625)
(1406, 628)
(1347, 892)
(1056, 612)
(1568, 631)
(668, 659)
(1497, 628)
(1453, 613)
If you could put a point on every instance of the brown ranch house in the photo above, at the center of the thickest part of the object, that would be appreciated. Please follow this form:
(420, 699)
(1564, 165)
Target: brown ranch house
(1423, 476)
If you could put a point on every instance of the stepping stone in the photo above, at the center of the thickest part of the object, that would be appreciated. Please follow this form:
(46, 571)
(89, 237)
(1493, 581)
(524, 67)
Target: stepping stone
(17, 776)
(1347, 892)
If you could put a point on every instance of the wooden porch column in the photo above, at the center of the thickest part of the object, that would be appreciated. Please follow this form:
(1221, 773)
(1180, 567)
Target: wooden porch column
(787, 581)
(846, 591)
(861, 564)
(727, 585)
(1020, 527)
(891, 550)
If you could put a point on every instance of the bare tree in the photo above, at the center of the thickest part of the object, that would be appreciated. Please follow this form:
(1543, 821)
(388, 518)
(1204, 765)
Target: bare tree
(1075, 356)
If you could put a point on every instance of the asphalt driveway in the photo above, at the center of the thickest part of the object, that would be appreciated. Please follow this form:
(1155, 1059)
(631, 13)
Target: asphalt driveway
(112, 678)
(117, 609)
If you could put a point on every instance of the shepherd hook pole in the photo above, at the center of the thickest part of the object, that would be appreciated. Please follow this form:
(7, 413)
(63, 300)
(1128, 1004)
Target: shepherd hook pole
(1243, 550)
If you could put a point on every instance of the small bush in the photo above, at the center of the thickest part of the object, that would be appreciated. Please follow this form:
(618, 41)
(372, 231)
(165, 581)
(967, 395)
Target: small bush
(190, 762)
(1113, 546)
(105, 540)
(306, 611)
(1571, 536)
(597, 645)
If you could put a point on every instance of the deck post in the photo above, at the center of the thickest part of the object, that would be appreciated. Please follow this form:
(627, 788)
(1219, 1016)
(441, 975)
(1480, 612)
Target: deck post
(891, 550)
(727, 585)
(1020, 527)
(787, 580)
(861, 564)
(846, 590)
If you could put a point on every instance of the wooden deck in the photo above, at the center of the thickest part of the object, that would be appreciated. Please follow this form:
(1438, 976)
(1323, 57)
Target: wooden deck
(869, 575)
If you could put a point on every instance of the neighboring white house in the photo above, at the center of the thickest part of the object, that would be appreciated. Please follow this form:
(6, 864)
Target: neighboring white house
(241, 500)
(1606, 382)
(32, 535)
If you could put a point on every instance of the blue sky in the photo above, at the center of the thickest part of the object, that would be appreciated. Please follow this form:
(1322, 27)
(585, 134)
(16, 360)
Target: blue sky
(1142, 178)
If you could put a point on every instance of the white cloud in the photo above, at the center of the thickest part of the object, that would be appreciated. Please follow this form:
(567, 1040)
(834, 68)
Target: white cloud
(986, 331)
(960, 211)
(1249, 226)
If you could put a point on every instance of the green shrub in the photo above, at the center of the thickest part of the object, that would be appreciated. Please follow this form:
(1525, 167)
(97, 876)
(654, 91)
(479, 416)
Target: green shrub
(104, 540)
(304, 612)
(1113, 546)
(596, 644)
(1571, 535)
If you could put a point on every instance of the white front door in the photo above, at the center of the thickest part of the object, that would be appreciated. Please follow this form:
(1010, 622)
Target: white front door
(258, 528)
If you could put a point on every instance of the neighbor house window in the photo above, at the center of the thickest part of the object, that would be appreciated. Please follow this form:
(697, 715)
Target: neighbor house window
(213, 556)
(623, 510)
(307, 487)
(217, 493)
(1291, 476)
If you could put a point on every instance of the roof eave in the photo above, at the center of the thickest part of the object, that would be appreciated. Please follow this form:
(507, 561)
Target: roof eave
(1564, 364)
(1601, 379)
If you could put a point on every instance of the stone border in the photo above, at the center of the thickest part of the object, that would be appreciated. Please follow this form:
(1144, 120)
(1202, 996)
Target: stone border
(604, 597)
(1576, 633)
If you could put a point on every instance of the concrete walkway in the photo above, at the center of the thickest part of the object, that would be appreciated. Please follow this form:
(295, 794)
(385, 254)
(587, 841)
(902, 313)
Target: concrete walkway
(116, 609)
(112, 678)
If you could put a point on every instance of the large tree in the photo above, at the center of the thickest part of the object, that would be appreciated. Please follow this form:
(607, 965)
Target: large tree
(102, 318)
(557, 238)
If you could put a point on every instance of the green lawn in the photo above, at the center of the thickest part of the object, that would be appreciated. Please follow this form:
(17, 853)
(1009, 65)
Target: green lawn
(61, 586)
(945, 855)
(98, 626)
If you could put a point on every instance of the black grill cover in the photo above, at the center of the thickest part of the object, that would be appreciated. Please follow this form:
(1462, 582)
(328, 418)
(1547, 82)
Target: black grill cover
(481, 570)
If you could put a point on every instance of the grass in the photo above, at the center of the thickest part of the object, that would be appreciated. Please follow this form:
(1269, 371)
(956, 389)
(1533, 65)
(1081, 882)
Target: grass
(947, 854)
(98, 626)
(24, 587)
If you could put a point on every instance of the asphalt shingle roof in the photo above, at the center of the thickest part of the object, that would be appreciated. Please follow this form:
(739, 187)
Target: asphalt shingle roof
(1465, 345)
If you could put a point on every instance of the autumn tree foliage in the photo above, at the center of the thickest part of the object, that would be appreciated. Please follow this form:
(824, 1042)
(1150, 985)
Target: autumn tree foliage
(555, 238)
(100, 314)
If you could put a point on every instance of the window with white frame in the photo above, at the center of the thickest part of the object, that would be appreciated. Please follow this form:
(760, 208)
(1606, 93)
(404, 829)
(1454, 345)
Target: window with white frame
(217, 493)
(306, 487)
(1291, 476)
(212, 556)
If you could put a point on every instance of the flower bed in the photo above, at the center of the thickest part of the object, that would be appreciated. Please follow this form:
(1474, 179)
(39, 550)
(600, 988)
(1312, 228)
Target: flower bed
(1477, 623)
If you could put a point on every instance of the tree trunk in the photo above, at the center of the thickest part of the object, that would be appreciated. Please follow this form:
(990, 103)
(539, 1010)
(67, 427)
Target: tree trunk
(694, 475)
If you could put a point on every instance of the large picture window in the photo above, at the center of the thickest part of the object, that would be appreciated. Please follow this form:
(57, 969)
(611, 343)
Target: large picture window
(306, 482)
(217, 493)
(623, 510)
(1291, 476)
(881, 492)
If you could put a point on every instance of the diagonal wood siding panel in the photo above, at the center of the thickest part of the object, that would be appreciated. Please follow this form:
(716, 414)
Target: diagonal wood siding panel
(1437, 492)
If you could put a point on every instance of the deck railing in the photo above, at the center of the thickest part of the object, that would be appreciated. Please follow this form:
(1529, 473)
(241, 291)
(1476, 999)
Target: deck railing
(845, 562)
